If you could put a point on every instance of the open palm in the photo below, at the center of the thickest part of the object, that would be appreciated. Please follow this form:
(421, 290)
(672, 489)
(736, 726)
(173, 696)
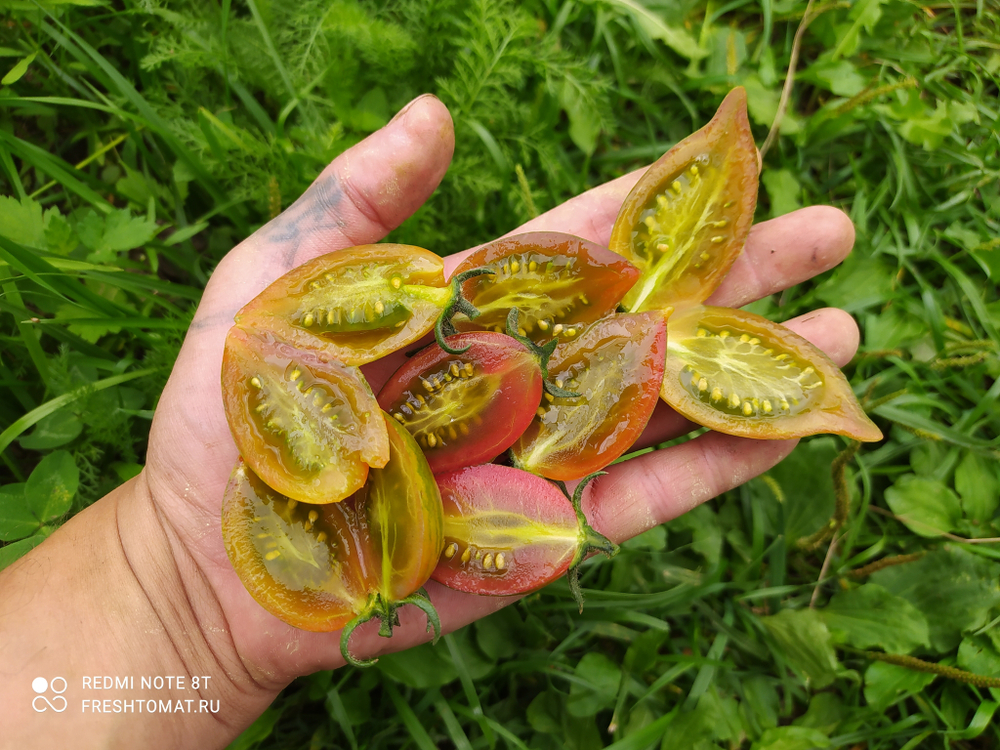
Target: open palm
(366, 192)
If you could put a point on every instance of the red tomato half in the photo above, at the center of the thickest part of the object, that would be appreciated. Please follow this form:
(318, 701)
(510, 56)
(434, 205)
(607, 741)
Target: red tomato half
(465, 409)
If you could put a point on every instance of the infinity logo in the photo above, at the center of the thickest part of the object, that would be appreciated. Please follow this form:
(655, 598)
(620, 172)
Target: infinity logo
(41, 685)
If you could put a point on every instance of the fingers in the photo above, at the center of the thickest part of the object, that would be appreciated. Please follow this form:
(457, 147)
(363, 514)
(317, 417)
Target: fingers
(833, 331)
(367, 191)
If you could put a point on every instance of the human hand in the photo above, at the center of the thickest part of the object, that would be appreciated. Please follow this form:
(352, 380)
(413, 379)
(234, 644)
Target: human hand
(168, 520)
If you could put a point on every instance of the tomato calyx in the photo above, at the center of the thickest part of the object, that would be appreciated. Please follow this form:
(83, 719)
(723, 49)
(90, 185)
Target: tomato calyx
(388, 615)
(591, 541)
(542, 352)
(457, 303)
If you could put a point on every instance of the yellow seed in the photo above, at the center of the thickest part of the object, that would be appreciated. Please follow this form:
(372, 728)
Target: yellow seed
(488, 561)
(720, 224)
(781, 357)
(307, 321)
(766, 405)
(747, 408)
(399, 418)
(729, 204)
(296, 374)
(272, 555)
(808, 371)
(463, 428)
(557, 329)
(506, 268)
(261, 408)
(734, 400)
(422, 400)
(559, 383)
(318, 400)
(321, 536)
(784, 404)
(452, 435)
(313, 516)
(468, 368)
(501, 562)
(754, 341)
(454, 369)
(467, 555)
(662, 247)
(540, 412)
(450, 550)
(744, 338)
(292, 503)
(723, 334)
(549, 397)
(716, 394)
(515, 266)
(676, 186)
(705, 256)
(327, 407)
(694, 170)
(768, 352)
(479, 554)
(330, 318)
(396, 282)
(426, 384)
(255, 382)
(379, 307)
(702, 333)
(703, 385)
(718, 238)
(571, 332)
(522, 332)
(543, 325)
(532, 266)
(432, 440)
(650, 222)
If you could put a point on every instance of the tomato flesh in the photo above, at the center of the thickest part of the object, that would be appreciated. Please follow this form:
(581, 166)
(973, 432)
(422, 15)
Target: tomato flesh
(559, 283)
(686, 220)
(301, 562)
(739, 373)
(465, 409)
(359, 304)
(505, 531)
(307, 425)
(616, 366)
(317, 567)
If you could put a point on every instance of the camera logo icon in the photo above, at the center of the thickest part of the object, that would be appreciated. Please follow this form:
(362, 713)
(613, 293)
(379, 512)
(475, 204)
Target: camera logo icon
(41, 702)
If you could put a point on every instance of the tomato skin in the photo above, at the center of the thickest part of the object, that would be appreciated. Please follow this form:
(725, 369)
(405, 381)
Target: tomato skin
(475, 404)
(505, 531)
(306, 572)
(307, 425)
(552, 278)
(741, 374)
(687, 218)
(359, 304)
(402, 505)
(617, 366)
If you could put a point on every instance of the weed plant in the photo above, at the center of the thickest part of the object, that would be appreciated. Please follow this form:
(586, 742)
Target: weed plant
(845, 599)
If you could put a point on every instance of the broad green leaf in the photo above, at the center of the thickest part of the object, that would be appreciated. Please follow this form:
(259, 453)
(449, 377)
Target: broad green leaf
(840, 77)
(596, 686)
(89, 328)
(864, 14)
(22, 222)
(925, 505)
(791, 738)
(584, 121)
(15, 73)
(762, 105)
(887, 683)
(678, 39)
(705, 530)
(497, 635)
(16, 519)
(826, 711)
(859, 282)
(977, 486)
(543, 713)
(59, 235)
(12, 552)
(892, 328)
(783, 190)
(421, 667)
(53, 431)
(930, 129)
(977, 654)
(804, 641)
(953, 588)
(114, 233)
(871, 617)
(806, 485)
(50, 489)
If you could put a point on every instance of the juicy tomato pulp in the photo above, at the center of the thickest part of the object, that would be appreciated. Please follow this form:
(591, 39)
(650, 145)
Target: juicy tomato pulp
(307, 425)
(616, 366)
(317, 567)
(686, 220)
(505, 531)
(468, 408)
(559, 283)
(739, 373)
(359, 304)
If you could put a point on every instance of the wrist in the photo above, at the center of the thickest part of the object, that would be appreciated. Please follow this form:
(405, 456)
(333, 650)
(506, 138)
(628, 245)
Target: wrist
(112, 595)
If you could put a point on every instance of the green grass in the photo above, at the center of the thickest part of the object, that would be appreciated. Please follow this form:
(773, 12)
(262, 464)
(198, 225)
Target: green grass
(140, 141)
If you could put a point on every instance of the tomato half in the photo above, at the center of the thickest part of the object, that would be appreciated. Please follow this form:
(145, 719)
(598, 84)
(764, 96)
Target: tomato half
(359, 304)
(303, 563)
(558, 282)
(616, 366)
(739, 373)
(510, 532)
(323, 567)
(686, 220)
(307, 425)
(465, 409)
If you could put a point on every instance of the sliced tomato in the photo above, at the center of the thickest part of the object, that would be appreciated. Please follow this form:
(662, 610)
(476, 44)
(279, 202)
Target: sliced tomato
(307, 425)
(738, 373)
(303, 563)
(559, 283)
(616, 366)
(359, 304)
(465, 409)
(688, 217)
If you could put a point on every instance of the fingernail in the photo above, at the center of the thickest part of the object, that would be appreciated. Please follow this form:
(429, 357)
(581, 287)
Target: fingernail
(406, 109)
